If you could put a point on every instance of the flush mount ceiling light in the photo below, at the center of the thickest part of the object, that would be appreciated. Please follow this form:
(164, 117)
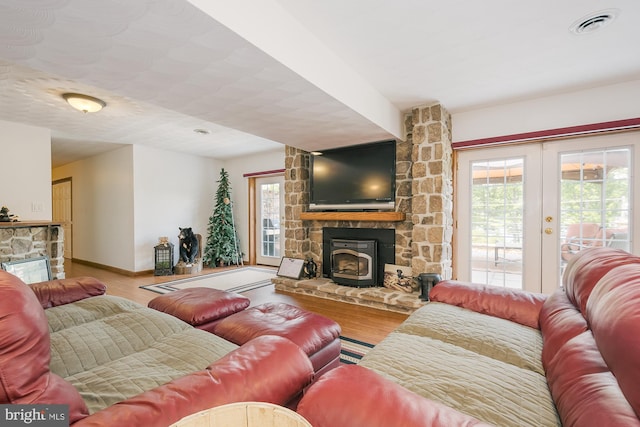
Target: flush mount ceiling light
(84, 103)
(594, 22)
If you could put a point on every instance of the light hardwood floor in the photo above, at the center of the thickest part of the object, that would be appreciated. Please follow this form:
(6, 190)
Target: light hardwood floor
(358, 322)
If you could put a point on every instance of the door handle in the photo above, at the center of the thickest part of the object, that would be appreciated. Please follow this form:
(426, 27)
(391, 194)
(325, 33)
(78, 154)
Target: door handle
(548, 230)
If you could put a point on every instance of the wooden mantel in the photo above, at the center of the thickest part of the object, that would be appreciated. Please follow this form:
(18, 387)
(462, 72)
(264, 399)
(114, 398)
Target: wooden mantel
(353, 216)
(21, 224)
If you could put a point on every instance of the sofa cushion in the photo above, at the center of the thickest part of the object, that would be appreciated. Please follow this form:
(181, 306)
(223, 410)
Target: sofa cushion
(613, 311)
(510, 304)
(585, 269)
(560, 321)
(267, 369)
(591, 333)
(373, 401)
(584, 389)
(63, 291)
(490, 336)
(311, 331)
(459, 372)
(106, 340)
(199, 305)
(24, 352)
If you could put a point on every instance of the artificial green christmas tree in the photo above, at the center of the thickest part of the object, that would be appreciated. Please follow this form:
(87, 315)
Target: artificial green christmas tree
(222, 241)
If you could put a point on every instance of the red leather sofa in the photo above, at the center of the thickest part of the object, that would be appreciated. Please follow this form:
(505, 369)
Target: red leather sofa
(589, 332)
(42, 324)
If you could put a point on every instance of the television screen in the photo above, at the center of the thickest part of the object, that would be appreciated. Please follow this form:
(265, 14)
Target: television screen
(358, 177)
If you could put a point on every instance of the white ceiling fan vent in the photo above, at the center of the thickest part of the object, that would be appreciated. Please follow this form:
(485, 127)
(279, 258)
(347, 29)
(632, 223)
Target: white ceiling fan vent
(594, 22)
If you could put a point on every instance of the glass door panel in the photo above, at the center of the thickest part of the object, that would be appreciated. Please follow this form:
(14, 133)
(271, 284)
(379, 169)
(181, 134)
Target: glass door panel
(496, 228)
(591, 197)
(270, 208)
(497, 216)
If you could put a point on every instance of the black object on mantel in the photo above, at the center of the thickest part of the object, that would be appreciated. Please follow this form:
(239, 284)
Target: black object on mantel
(427, 282)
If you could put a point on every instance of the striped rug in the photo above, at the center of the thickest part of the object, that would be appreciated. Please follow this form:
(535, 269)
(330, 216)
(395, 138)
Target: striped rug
(241, 280)
(353, 350)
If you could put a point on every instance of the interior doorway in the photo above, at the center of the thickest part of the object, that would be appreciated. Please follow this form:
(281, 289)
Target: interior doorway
(61, 197)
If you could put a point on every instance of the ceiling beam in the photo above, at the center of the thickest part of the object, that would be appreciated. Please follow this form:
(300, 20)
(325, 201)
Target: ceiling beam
(270, 28)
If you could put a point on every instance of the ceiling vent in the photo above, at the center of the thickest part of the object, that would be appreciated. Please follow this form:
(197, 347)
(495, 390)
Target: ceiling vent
(594, 22)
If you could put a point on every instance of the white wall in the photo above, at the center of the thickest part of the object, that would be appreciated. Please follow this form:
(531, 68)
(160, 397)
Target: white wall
(25, 171)
(171, 190)
(601, 104)
(103, 208)
(261, 162)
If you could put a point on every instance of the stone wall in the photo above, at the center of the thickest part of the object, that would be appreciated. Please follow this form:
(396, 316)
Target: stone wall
(296, 200)
(423, 192)
(18, 242)
(432, 189)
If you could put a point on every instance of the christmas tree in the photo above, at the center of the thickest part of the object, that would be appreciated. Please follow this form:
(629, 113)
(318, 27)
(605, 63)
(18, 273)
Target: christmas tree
(222, 243)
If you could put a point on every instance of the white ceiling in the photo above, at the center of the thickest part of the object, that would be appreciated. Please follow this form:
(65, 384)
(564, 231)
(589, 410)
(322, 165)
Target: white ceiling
(312, 74)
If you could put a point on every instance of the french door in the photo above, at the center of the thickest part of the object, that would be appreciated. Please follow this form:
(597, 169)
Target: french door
(270, 217)
(523, 211)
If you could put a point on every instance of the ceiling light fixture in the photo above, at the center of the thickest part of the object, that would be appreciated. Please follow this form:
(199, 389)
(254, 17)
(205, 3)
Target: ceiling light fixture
(202, 131)
(594, 22)
(84, 103)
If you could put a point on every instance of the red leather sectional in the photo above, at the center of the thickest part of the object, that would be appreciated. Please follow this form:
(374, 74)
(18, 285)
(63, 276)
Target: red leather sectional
(590, 352)
(269, 368)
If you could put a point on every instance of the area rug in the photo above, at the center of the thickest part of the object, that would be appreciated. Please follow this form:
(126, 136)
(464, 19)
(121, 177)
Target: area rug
(353, 350)
(240, 280)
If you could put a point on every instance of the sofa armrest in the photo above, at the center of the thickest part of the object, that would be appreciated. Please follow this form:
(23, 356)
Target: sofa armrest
(352, 395)
(65, 291)
(511, 304)
(266, 369)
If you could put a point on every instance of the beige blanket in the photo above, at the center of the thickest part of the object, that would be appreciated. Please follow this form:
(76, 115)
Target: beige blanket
(486, 367)
(111, 349)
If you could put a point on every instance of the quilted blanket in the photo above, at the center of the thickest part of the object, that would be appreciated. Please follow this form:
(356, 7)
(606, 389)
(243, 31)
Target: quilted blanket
(481, 365)
(111, 349)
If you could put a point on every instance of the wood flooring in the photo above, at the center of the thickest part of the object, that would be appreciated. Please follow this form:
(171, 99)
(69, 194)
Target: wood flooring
(358, 322)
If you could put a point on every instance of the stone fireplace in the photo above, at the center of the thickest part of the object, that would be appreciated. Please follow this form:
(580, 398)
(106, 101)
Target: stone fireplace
(32, 239)
(422, 223)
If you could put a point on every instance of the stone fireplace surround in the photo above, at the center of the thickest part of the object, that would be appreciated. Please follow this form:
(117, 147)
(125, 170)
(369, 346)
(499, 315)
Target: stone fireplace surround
(423, 222)
(32, 239)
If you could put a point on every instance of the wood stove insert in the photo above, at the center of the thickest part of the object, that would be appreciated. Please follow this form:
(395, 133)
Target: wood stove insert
(353, 262)
(384, 239)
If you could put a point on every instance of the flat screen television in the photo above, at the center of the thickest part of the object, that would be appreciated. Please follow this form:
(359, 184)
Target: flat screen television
(359, 177)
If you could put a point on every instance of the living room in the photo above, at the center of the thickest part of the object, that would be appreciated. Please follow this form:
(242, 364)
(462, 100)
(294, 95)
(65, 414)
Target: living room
(129, 195)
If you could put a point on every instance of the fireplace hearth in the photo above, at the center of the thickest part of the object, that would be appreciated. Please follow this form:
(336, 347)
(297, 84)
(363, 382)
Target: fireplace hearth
(359, 248)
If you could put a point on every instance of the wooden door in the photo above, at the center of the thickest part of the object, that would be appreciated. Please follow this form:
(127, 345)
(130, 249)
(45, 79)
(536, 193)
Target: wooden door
(61, 212)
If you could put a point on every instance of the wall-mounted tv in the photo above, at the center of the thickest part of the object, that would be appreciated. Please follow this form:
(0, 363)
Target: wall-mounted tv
(358, 177)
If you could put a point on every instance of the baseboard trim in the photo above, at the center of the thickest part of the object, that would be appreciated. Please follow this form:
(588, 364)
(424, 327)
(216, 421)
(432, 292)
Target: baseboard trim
(112, 269)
